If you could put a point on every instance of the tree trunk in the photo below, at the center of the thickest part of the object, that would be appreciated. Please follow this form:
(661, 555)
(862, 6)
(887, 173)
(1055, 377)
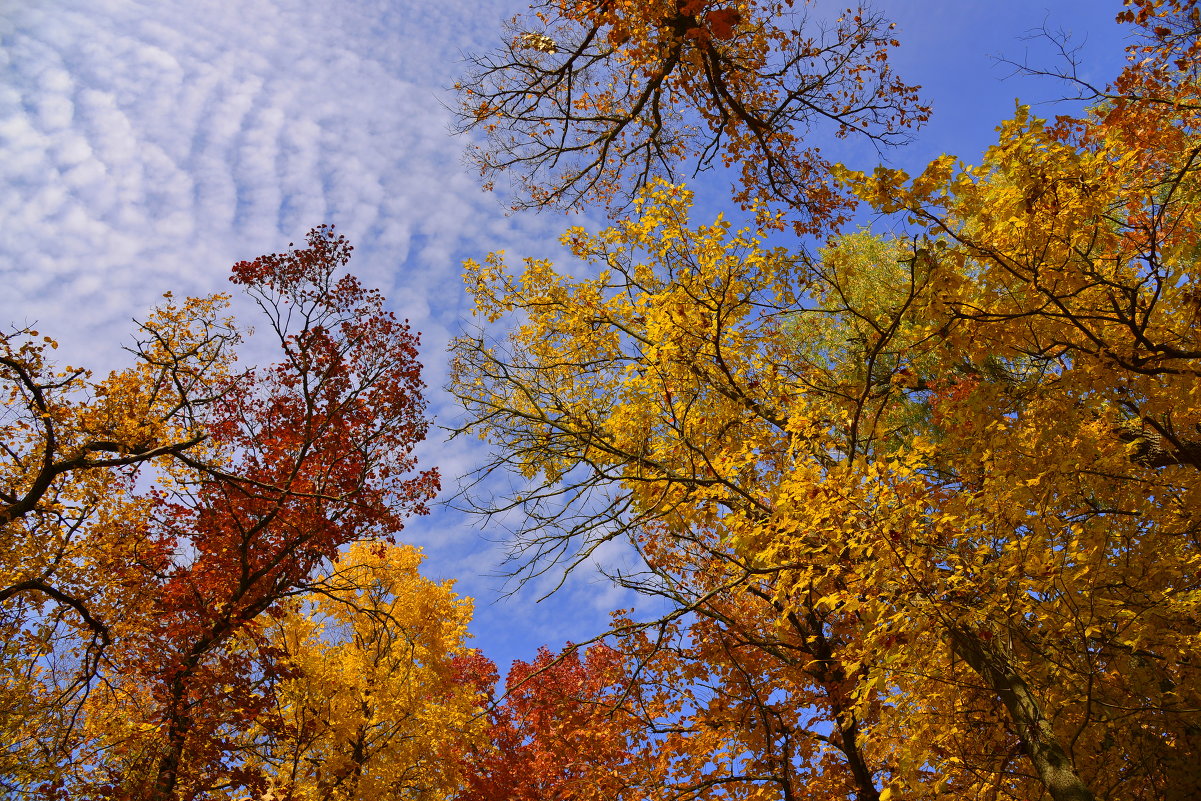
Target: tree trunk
(1051, 762)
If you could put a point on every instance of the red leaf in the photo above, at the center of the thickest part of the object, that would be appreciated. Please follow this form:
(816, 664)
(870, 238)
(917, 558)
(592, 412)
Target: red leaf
(722, 22)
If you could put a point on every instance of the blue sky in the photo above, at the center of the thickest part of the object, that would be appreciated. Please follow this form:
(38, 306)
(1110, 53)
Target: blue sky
(146, 145)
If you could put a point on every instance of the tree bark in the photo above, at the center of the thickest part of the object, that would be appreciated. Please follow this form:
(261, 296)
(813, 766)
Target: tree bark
(1051, 762)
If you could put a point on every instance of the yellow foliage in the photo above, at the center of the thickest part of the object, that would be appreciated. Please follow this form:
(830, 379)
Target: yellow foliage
(964, 464)
(373, 703)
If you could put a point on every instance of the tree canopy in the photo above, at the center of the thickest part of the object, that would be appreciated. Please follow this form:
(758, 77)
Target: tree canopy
(928, 501)
(587, 102)
(175, 583)
(922, 504)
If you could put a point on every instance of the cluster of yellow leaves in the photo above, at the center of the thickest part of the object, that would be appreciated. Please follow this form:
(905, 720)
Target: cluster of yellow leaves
(374, 704)
(623, 353)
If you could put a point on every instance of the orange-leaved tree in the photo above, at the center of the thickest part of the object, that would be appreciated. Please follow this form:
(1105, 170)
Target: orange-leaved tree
(72, 452)
(564, 728)
(171, 507)
(588, 101)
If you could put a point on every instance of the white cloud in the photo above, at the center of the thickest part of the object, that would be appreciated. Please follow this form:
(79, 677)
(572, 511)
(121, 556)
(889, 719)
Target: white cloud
(152, 144)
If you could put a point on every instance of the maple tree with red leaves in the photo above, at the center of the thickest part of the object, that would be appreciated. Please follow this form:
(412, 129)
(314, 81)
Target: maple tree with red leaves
(323, 446)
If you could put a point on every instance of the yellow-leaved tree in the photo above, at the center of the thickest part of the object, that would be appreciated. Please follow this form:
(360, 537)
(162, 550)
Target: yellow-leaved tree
(689, 400)
(946, 486)
(379, 698)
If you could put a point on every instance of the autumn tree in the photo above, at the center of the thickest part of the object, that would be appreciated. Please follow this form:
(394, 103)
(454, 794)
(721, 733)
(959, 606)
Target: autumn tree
(72, 450)
(1071, 259)
(588, 101)
(561, 729)
(958, 469)
(171, 507)
(377, 696)
(652, 403)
